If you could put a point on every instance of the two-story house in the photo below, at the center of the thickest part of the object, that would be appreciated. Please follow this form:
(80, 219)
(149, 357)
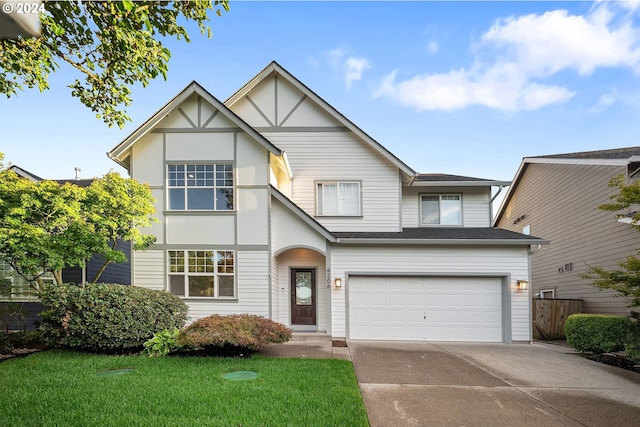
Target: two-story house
(557, 197)
(274, 203)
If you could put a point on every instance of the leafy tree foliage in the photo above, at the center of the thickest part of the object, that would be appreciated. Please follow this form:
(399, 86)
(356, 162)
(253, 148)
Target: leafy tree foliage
(113, 44)
(625, 281)
(45, 226)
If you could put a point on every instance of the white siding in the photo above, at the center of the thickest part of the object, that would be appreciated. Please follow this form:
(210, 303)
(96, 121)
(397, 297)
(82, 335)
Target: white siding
(149, 270)
(340, 156)
(252, 288)
(449, 260)
(187, 229)
(288, 231)
(200, 146)
(475, 204)
(148, 162)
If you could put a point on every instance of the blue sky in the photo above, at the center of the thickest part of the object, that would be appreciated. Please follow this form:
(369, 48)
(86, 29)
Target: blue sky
(467, 88)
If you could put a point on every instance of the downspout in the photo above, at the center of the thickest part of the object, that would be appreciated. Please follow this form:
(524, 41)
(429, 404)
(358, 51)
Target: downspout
(500, 187)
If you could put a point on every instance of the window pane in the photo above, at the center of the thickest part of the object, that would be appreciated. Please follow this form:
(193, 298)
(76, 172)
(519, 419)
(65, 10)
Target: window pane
(327, 199)
(176, 175)
(176, 198)
(224, 199)
(430, 210)
(176, 285)
(176, 261)
(225, 286)
(200, 199)
(303, 288)
(201, 286)
(450, 210)
(225, 262)
(200, 262)
(349, 198)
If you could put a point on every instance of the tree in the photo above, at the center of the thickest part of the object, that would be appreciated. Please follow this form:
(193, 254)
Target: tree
(625, 281)
(116, 207)
(45, 226)
(113, 44)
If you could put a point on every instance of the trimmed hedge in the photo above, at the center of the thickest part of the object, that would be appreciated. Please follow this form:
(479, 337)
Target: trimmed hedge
(107, 317)
(597, 334)
(633, 343)
(232, 334)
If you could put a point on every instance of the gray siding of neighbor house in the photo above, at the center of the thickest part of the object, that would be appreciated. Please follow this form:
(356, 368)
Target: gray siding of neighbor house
(114, 273)
(560, 203)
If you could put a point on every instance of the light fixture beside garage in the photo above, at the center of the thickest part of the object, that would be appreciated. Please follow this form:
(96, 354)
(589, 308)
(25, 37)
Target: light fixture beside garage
(337, 282)
(522, 285)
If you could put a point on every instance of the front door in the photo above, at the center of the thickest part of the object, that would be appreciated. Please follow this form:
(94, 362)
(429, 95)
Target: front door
(303, 296)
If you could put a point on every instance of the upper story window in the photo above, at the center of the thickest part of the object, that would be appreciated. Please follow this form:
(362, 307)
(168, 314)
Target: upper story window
(200, 187)
(441, 209)
(202, 273)
(338, 199)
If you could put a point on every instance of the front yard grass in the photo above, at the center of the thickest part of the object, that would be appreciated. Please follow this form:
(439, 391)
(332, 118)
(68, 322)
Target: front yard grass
(64, 388)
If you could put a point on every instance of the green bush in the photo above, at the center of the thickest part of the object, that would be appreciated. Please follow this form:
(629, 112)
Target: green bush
(232, 334)
(633, 343)
(107, 317)
(162, 343)
(597, 334)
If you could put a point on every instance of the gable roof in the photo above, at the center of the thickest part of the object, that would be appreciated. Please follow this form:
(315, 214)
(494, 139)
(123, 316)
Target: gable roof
(612, 157)
(443, 235)
(444, 180)
(121, 151)
(25, 173)
(276, 68)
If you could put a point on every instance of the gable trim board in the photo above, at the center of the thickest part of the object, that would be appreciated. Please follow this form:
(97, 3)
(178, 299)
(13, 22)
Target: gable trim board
(273, 227)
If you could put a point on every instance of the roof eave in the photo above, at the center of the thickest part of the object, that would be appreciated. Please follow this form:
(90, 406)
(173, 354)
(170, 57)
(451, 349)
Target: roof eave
(460, 183)
(479, 242)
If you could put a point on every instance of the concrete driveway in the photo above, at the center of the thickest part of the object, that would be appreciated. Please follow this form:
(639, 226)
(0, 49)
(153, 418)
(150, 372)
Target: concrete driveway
(456, 384)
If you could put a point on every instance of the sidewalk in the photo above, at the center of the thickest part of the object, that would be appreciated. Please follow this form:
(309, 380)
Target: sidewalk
(312, 349)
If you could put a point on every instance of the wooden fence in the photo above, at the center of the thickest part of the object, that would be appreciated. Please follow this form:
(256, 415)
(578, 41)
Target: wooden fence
(549, 316)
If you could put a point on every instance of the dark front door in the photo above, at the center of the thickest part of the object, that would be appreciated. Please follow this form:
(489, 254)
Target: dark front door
(303, 296)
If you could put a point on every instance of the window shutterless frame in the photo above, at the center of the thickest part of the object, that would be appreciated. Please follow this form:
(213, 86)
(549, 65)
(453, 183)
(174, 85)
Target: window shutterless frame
(201, 273)
(338, 198)
(200, 186)
(440, 209)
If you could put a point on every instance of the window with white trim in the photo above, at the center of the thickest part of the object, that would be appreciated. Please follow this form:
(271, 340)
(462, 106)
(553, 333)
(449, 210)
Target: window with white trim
(547, 294)
(338, 198)
(209, 274)
(441, 209)
(14, 287)
(200, 187)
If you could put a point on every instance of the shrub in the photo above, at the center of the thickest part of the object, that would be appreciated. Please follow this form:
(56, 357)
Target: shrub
(633, 343)
(107, 317)
(593, 333)
(162, 343)
(232, 334)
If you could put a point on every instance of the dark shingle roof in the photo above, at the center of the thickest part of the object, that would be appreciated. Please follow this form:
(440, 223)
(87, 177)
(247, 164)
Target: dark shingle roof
(428, 177)
(79, 182)
(616, 153)
(441, 233)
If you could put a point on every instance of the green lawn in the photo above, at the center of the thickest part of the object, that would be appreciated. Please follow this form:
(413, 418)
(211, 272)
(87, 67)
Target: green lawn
(63, 388)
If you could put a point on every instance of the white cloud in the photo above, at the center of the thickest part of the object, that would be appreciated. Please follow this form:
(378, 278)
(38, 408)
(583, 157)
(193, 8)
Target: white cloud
(354, 67)
(433, 47)
(525, 51)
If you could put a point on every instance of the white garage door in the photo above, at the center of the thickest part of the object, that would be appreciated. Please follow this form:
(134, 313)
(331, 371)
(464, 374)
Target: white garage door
(425, 308)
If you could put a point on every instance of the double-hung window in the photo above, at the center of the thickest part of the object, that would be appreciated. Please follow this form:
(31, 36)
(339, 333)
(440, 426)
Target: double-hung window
(338, 199)
(202, 273)
(200, 187)
(441, 209)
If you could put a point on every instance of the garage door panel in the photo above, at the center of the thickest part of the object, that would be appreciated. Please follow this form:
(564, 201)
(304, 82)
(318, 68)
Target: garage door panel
(425, 308)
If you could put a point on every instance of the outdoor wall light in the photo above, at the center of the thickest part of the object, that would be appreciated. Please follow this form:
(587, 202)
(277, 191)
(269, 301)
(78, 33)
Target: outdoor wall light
(338, 282)
(522, 285)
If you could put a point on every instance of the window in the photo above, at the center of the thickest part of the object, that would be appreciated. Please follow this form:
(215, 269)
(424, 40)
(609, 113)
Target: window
(443, 209)
(200, 187)
(207, 274)
(338, 199)
(547, 294)
(14, 287)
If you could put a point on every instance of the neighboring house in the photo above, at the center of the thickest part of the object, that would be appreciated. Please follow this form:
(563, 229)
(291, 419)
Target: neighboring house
(274, 203)
(20, 292)
(556, 197)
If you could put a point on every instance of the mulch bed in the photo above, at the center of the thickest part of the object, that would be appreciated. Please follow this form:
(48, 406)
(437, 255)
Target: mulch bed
(613, 359)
